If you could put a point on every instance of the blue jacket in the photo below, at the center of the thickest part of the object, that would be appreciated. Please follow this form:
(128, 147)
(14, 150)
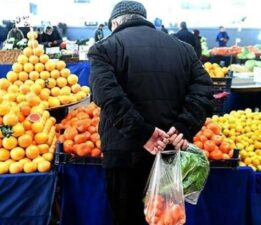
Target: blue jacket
(222, 39)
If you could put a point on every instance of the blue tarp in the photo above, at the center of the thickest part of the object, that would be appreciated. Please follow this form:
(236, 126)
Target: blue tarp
(26, 199)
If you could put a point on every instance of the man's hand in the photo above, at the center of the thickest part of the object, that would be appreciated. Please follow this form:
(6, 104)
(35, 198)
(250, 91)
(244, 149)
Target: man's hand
(157, 141)
(177, 139)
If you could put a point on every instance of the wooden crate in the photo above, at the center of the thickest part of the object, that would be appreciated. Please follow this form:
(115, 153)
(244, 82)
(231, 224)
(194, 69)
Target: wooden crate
(9, 56)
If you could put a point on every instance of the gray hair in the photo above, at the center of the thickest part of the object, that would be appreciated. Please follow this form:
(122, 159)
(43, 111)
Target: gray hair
(127, 17)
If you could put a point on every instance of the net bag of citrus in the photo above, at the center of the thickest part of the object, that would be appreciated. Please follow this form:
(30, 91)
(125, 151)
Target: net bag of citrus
(164, 200)
(195, 170)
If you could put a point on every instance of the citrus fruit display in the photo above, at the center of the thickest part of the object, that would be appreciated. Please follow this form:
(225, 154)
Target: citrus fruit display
(27, 138)
(80, 136)
(213, 142)
(40, 81)
(214, 70)
(242, 129)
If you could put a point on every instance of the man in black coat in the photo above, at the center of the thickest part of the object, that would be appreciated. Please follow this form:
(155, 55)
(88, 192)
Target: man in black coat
(50, 37)
(152, 91)
(185, 35)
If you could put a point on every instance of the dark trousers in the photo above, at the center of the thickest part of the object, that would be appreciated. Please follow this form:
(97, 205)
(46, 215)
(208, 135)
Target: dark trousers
(126, 190)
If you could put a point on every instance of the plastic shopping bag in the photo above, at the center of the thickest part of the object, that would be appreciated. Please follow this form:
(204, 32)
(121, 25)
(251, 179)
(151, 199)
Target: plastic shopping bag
(164, 200)
(195, 170)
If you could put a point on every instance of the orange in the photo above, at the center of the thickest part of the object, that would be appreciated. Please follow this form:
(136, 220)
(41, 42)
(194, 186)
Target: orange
(95, 137)
(25, 140)
(49, 66)
(21, 117)
(38, 159)
(12, 89)
(39, 67)
(85, 89)
(10, 97)
(4, 167)
(22, 59)
(24, 160)
(43, 148)
(44, 58)
(23, 76)
(96, 152)
(28, 67)
(32, 35)
(44, 94)
(25, 109)
(4, 84)
(90, 144)
(55, 91)
(32, 152)
(38, 51)
(28, 51)
(4, 154)
(80, 95)
(15, 167)
(18, 130)
(10, 119)
(9, 142)
(17, 67)
(64, 99)
(17, 153)
(9, 162)
(65, 73)
(41, 138)
(60, 65)
(18, 83)
(225, 147)
(44, 75)
(51, 83)
(36, 88)
(12, 76)
(28, 82)
(33, 59)
(72, 79)
(4, 109)
(216, 155)
(32, 43)
(55, 74)
(68, 146)
(33, 99)
(61, 82)
(48, 156)
(65, 90)
(40, 82)
(54, 102)
(76, 88)
(37, 127)
(30, 167)
(44, 166)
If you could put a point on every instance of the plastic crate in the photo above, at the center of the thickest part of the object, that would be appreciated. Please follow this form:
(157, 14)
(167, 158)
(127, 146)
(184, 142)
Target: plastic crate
(62, 158)
(222, 84)
(226, 163)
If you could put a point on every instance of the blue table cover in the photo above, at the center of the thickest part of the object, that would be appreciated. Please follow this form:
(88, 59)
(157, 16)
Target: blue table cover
(231, 197)
(26, 199)
(83, 197)
(81, 69)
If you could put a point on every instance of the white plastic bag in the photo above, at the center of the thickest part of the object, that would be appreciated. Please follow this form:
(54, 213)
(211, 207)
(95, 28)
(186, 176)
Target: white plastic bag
(164, 201)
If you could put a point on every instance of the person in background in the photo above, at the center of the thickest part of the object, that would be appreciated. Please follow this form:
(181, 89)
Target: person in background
(185, 35)
(50, 37)
(15, 33)
(163, 29)
(198, 48)
(150, 95)
(222, 37)
(99, 35)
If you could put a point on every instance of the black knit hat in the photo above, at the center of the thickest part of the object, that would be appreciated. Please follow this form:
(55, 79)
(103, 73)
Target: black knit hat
(127, 7)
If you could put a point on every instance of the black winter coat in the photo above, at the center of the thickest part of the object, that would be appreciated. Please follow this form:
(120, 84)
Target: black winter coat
(143, 78)
(186, 36)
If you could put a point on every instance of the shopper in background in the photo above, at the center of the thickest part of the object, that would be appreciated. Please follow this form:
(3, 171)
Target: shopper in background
(163, 29)
(150, 95)
(185, 35)
(50, 37)
(198, 48)
(222, 37)
(99, 35)
(15, 33)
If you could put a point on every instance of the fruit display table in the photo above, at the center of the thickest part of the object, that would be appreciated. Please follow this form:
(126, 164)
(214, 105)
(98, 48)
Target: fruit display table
(26, 199)
(81, 69)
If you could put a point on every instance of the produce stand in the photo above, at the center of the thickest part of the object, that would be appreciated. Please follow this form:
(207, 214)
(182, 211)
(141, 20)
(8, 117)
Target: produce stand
(26, 199)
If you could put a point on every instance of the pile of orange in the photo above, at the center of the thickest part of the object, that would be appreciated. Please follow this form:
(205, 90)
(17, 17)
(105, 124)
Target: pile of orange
(27, 139)
(212, 142)
(80, 136)
(40, 81)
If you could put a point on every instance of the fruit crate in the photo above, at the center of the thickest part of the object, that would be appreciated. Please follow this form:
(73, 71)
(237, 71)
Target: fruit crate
(222, 84)
(226, 163)
(62, 158)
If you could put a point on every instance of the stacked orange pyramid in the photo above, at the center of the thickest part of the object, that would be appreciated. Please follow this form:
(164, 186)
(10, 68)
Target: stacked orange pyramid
(40, 81)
